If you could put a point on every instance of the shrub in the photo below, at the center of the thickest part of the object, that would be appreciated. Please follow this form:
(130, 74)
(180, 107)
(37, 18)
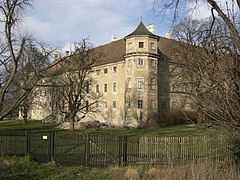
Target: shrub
(152, 174)
(172, 117)
(116, 173)
(131, 174)
(236, 149)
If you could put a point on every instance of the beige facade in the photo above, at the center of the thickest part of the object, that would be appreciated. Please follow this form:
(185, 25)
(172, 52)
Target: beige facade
(132, 81)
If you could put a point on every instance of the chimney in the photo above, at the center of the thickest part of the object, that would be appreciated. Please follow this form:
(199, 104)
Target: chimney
(113, 38)
(56, 56)
(151, 28)
(66, 53)
(168, 35)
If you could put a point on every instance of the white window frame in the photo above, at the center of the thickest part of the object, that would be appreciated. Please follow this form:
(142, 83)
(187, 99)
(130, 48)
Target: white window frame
(105, 104)
(97, 88)
(153, 62)
(140, 83)
(141, 43)
(153, 83)
(114, 87)
(140, 104)
(105, 88)
(114, 104)
(152, 45)
(140, 62)
(114, 69)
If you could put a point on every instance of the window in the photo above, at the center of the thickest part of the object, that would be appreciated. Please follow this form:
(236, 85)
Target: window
(129, 104)
(87, 105)
(173, 88)
(184, 88)
(114, 69)
(43, 92)
(140, 62)
(97, 88)
(141, 44)
(152, 104)
(114, 104)
(129, 82)
(105, 88)
(97, 104)
(129, 63)
(163, 87)
(87, 86)
(140, 83)
(105, 104)
(98, 72)
(164, 105)
(114, 87)
(153, 84)
(140, 104)
(153, 62)
(152, 45)
(130, 45)
(174, 105)
(105, 71)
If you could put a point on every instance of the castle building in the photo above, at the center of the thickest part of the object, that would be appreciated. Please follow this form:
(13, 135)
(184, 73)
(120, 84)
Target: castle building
(133, 78)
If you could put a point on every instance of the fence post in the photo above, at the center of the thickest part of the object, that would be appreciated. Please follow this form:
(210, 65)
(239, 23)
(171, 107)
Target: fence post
(51, 153)
(87, 150)
(120, 150)
(27, 144)
(125, 141)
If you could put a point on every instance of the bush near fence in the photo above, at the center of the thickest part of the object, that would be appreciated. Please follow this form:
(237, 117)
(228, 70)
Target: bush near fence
(102, 150)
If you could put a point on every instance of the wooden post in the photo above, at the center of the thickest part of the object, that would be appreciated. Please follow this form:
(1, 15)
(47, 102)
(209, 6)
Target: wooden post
(87, 150)
(52, 140)
(27, 144)
(125, 150)
(120, 151)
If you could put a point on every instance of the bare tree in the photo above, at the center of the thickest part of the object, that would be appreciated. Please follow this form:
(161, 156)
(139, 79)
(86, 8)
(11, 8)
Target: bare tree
(208, 70)
(72, 78)
(16, 82)
(208, 53)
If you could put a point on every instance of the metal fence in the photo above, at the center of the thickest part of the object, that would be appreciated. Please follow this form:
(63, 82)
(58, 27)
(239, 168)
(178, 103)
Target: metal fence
(99, 150)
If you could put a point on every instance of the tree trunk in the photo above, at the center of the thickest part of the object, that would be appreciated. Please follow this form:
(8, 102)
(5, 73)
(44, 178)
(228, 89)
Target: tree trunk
(25, 119)
(71, 125)
(24, 113)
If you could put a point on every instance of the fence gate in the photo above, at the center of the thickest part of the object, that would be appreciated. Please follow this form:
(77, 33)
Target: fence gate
(40, 146)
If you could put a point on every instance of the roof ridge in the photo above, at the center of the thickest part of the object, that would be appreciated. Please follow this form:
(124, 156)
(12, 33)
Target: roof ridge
(142, 30)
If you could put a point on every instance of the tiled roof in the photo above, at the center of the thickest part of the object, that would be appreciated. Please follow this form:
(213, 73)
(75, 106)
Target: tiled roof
(114, 52)
(141, 30)
(111, 52)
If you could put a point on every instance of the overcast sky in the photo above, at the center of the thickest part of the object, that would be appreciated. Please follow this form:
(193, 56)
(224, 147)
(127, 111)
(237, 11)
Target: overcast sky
(61, 22)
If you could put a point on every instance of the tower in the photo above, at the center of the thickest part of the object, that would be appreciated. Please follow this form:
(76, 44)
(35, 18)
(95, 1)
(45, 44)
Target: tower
(141, 61)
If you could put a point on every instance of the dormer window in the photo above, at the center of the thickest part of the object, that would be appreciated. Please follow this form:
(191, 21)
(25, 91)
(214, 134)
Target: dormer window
(141, 44)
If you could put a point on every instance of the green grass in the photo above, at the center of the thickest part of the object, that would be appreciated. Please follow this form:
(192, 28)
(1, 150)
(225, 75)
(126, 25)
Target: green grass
(173, 131)
(25, 168)
(31, 125)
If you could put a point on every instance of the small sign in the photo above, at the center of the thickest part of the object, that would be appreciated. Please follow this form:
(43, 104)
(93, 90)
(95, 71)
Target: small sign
(44, 137)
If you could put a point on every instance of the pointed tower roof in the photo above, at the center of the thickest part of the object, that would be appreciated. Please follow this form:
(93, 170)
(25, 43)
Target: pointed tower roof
(141, 30)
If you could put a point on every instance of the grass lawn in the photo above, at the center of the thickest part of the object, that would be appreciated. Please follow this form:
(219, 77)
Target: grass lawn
(31, 125)
(173, 131)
